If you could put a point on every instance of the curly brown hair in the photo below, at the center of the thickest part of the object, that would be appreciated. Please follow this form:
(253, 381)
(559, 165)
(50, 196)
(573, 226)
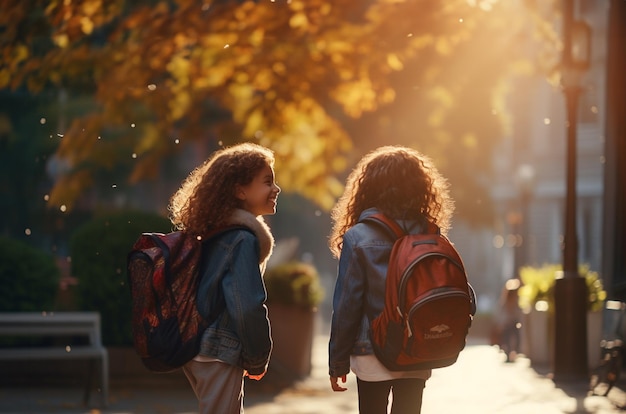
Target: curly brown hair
(206, 198)
(400, 182)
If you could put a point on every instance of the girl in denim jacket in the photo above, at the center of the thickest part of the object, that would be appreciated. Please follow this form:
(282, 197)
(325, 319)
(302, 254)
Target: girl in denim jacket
(235, 187)
(402, 184)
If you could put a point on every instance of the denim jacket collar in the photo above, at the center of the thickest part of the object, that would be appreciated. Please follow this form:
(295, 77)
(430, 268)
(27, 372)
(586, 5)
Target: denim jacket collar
(260, 228)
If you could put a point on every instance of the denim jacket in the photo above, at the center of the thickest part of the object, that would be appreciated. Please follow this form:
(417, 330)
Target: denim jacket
(241, 334)
(359, 289)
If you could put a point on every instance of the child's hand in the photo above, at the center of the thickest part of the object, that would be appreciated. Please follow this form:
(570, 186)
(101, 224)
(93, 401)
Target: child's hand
(334, 383)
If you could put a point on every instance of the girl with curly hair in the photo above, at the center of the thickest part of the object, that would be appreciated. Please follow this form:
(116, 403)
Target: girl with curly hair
(234, 188)
(404, 185)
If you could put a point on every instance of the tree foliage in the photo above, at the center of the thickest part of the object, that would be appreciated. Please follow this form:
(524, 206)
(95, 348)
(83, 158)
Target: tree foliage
(313, 80)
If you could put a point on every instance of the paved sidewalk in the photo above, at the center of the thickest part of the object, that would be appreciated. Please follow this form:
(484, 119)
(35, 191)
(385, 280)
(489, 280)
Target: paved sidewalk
(479, 383)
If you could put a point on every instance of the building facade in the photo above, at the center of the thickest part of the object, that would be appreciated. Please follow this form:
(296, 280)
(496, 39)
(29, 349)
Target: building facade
(528, 184)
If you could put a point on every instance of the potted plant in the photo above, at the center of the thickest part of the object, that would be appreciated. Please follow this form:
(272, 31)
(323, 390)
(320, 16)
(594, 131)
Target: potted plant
(536, 299)
(293, 293)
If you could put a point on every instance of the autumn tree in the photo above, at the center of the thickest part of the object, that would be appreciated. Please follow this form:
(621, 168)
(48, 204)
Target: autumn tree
(318, 81)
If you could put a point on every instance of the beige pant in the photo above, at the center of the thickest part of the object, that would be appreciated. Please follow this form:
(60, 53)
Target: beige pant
(218, 386)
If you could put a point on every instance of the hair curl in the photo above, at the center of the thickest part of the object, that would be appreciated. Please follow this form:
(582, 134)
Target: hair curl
(400, 182)
(207, 197)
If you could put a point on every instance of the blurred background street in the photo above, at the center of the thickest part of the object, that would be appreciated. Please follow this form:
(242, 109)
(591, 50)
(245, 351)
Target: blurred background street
(105, 107)
(479, 383)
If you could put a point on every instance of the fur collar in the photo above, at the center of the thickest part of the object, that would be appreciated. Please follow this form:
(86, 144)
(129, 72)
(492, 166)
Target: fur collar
(260, 228)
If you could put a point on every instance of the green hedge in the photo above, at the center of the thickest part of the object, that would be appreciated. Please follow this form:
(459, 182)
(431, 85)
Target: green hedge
(294, 283)
(98, 251)
(29, 278)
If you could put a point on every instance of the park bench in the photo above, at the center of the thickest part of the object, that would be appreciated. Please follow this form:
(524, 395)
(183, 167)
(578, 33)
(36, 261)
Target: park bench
(64, 336)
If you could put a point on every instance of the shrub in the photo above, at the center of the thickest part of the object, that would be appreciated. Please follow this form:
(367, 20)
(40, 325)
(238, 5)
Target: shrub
(538, 286)
(98, 250)
(294, 283)
(29, 278)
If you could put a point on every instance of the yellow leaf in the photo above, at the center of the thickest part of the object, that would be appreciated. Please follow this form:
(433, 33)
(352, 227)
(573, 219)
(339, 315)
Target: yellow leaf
(442, 95)
(180, 104)
(86, 25)
(296, 5)
(263, 79)
(256, 38)
(254, 123)
(179, 68)
(394, 62)
(61, 40)
(419, 42)
(149, 139)
(91, 7)
(442, 46)
(470, 141)
(279, 68)
(218, 75)
(388, 95)
(20, 54)
(5, 77)
(298, 20)
(334, 186)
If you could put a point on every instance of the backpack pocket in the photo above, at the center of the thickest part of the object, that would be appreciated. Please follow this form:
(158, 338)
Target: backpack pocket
(437, 325)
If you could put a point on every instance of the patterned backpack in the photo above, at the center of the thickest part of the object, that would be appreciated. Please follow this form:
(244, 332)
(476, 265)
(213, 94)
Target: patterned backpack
(163, 274)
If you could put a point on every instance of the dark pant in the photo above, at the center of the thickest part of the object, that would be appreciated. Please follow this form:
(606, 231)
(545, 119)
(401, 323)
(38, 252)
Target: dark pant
(510, 339)
(406, 395)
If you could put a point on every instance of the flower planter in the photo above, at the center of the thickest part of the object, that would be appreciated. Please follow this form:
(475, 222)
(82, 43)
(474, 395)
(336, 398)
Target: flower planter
(594, 336)
(293, 328)
(538, 337)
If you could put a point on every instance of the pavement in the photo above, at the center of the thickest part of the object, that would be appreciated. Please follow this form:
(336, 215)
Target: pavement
(481, 382)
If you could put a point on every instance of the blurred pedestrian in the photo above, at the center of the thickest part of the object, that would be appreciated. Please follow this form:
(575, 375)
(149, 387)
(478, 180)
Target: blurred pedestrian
(234, 187)
(402, 184)
(508, 320)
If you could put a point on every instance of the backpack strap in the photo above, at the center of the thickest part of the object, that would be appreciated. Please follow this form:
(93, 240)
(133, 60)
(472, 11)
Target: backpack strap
(389, 224)
(394, 228)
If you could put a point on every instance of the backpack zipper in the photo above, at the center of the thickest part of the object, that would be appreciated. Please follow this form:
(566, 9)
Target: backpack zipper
(405, 276)
(449, 292)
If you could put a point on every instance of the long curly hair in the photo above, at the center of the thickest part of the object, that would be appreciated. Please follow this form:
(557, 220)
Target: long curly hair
(207, 197)
(400, 182)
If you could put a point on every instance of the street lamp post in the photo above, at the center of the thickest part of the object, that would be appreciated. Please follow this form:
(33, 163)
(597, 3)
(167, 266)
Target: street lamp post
(525, 179)
(570, 291)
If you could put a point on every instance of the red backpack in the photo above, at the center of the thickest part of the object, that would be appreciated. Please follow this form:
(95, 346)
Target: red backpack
(429, 304)
(163, 274)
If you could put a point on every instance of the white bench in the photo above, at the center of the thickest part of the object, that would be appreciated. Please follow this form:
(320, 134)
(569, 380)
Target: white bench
(60, 325)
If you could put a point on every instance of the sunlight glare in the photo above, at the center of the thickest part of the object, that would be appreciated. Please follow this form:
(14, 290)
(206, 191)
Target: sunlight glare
(485, 5)
(498, 241)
